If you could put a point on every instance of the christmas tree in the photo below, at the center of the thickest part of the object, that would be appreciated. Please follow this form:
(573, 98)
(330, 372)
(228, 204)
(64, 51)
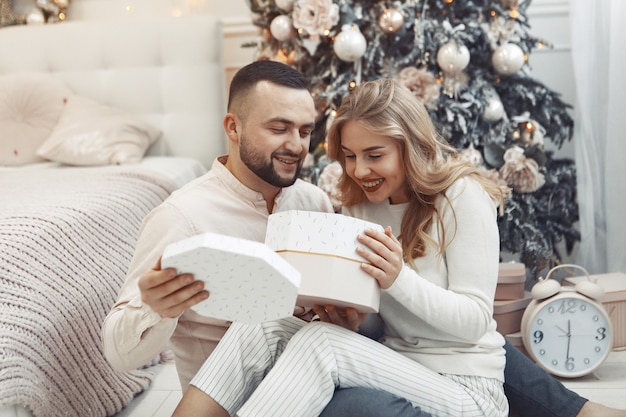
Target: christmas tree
(467, 61)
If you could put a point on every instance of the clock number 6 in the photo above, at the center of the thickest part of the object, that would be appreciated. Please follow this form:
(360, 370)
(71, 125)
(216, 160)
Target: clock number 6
(538, 334)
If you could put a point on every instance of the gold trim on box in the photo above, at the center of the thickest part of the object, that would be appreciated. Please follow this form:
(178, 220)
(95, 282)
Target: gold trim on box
(319, 254)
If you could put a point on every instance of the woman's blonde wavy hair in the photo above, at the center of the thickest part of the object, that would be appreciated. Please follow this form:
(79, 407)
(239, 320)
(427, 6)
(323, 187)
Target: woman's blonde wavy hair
(387, 108)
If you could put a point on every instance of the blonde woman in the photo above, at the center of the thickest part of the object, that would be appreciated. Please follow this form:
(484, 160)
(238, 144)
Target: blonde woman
(436, 263)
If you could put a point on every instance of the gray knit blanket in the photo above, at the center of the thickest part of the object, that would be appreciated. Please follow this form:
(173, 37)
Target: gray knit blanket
(66, 240)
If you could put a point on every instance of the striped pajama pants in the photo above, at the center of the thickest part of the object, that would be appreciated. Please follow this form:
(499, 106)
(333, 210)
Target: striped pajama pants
(290, 368)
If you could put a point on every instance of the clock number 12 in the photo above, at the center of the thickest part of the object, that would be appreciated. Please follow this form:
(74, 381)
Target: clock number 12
(567, 306)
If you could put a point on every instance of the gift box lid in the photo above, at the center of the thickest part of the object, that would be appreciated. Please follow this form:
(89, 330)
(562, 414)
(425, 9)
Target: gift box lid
(507, 306)
(511, 273)
(315, 232)
(614, 285)
(247, 281)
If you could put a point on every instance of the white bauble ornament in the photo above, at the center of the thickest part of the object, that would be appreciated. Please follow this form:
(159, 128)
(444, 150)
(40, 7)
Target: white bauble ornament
(350, 44)
(391, 21)
(282, 28)
(453, 58)
(286, 5)
(507, 59)
(494, 110)
(35, 17)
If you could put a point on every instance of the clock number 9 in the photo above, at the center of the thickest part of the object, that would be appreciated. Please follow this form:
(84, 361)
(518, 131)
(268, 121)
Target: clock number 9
(601, 333)
(538, 334)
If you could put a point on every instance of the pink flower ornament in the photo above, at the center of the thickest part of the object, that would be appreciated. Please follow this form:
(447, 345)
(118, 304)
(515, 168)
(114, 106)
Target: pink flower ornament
(315, 17)
(521, 173)
(422, 84)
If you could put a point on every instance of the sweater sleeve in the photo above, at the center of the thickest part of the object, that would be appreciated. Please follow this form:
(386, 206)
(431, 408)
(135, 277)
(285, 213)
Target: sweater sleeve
(454, 294)
(132, 333)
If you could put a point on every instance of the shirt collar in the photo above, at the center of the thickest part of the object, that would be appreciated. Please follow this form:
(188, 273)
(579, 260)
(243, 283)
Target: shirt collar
(230, 181)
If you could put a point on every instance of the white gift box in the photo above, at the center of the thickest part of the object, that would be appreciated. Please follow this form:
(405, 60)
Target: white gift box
(322, 246)
(247, 281)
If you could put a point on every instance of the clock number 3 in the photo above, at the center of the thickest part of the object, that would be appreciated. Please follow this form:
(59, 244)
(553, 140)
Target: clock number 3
(601, 333)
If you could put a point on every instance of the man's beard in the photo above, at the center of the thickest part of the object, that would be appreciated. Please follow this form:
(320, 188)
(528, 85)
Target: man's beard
(263, 169)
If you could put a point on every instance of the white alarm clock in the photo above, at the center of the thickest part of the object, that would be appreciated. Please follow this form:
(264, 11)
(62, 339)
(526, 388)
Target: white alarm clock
(566, 330)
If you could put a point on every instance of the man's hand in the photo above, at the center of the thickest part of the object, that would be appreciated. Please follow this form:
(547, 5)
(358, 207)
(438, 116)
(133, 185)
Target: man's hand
(348, 318)
(169, 294)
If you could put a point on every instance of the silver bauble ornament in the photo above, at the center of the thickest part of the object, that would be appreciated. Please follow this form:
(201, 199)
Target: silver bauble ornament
(453, 58)
(494, 110)
(390, 21)
(350, 44)
(282, 28)
(507, 59)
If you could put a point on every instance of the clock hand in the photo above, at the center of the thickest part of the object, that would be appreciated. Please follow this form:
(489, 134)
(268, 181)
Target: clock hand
(569, 338)
(564, 332)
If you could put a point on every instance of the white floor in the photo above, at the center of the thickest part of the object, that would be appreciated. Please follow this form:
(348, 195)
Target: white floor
(160, 399)
(607, 386)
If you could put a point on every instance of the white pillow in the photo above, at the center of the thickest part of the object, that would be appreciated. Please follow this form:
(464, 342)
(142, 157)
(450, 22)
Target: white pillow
(30, 107)
(91, 133)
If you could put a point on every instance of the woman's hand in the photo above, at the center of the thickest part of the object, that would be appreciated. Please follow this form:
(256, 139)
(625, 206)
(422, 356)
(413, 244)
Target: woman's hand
(348, 318)
(385, 258)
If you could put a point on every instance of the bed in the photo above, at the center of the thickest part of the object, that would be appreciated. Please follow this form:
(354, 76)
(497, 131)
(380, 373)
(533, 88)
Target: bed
(126, 112)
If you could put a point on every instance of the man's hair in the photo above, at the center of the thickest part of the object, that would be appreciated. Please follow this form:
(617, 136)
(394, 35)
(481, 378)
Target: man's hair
(274, 72)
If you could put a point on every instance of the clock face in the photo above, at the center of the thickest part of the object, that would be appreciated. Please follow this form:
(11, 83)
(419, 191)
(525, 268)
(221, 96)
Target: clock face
(569, 336)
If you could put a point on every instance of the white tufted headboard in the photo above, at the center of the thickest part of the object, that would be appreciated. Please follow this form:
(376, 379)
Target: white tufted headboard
(169, 71)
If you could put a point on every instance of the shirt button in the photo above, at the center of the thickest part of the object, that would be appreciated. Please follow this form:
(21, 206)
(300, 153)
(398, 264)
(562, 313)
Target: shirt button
(259, 197)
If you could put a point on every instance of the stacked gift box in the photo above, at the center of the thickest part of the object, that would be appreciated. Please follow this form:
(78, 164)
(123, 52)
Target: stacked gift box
(510, 301)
